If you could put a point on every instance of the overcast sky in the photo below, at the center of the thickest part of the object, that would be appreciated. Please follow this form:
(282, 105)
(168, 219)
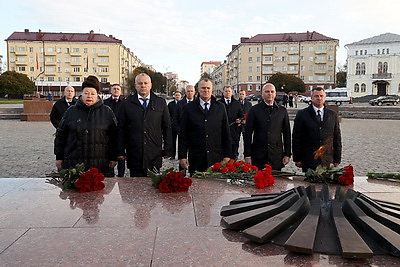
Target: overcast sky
(178, 35)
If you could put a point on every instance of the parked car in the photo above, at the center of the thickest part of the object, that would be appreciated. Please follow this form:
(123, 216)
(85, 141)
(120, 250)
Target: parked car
(304, 99)
(385, 100)
(279, 98)
(254, 97)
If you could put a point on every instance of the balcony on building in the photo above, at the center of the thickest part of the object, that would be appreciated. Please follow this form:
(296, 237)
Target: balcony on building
(21, 63)
(383, 75)
(76, 73)
(293, 52)
(292, 72)
(293, 62)
(320, 61)
(75, 63)
(21, 53)
(319, 52)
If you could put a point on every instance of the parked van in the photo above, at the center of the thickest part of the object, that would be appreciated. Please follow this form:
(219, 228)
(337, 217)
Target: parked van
(338, 96)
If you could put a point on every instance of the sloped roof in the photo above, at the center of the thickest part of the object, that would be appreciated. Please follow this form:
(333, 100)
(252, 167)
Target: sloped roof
(382, 38)
(62, 37)
(287, 37)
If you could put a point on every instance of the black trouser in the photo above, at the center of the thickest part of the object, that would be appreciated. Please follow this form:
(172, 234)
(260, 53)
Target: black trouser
(121, 168)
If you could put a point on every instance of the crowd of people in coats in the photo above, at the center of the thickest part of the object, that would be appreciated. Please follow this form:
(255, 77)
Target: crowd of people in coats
(140, 130)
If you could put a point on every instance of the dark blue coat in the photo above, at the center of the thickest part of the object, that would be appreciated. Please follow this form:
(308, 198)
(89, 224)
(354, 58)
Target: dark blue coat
(309, 135)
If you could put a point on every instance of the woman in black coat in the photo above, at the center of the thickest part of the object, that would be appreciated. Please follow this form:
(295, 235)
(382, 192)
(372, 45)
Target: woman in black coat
(87, 132)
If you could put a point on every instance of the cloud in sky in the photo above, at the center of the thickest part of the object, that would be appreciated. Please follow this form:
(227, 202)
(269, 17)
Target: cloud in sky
(177, 35)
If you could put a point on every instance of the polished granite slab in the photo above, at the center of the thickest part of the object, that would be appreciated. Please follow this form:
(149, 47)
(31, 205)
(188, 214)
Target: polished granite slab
(130, 223)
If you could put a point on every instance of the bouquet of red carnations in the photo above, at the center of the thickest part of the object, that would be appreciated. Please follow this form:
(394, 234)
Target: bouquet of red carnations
(170, 181)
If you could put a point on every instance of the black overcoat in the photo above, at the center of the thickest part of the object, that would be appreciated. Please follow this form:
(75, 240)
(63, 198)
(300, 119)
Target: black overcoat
(58, 110)
(205, 136)
(267, 135)
(234, 112)
(309, 135)
(87, 135)
(144, 136)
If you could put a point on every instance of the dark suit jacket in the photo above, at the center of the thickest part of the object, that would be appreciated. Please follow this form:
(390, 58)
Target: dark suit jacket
(58, 110)
(245, 110)
(142, 133)
(267, 135)
(114, 105)
(234, 112)
(177, 118)
(309, 135)
(205, 136)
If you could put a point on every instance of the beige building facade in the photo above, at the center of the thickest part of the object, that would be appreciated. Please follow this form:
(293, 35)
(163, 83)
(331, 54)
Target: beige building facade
(55, 60)
(208, 67)
(219, 79)
(309, 56)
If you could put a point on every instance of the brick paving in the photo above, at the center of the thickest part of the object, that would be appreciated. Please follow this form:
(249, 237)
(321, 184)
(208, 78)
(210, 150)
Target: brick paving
(369, 145)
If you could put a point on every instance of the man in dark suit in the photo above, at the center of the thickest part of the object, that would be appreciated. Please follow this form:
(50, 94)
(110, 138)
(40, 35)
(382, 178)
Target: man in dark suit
(316, 127)
(267, 138)
(245, 106)
(114, 102)
(62, 105)
(172, 106)
(190, 93)
(235, 116)
(204, 136)
(144, 129)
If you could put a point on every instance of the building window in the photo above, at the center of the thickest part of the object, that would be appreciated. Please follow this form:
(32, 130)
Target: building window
(21, 49)
(292, 68)
(31, 49)
(379, 51)
(103, 50)
(356, 52)
(50, 79)
(379, 67)
(59, 79)
(31, 69)
(250, 69)
(276, 49)
(387, 50)
(75, 50)
(311, 58)
(293, 48)
(311, 48)
(362, 69)
(67, 50)
(258, 59)
(303, 48)
(85, 50)
(302, 67)
(50, 49)
(249, 87)
(250, 49)
(398, 89)
(311, 67)
(330, 57)
(258, 87)
(94, 50)
(330, 47)
(50, 69)
(59, 50)
(267, 68)
(321, 48)
(268, 49)
(250, 59)
(302, 77)
(76, 69)
(21, 68)
(321, 78)
(94, 60)
(50, 59)
(76, 59)
(258, 69)
(284, 58)
(12, 49)
(67, 59)
(77, 79)
(284, 68)
(59, 69)
(361, 52)
(277, 59)
(358, 69)
(258, 78)
(85, 70)
(311, 78)
(103, 60)
(103, 80)
(383, 51)
(365, 52)
(385, 67)
(67, 79)
(94, 70)
(250, 78)
(268, 58)
(356, 88)
(258, 49)
(284, 48)
(66, 69)
(276, 68)
(363, 88)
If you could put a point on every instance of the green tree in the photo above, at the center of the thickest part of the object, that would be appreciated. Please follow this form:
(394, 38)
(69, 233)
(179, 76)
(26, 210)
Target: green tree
(158, 80)
(341, 79)
(15, 84)
(287, 83)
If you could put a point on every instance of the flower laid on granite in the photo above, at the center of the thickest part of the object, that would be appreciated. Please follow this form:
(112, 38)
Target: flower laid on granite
(92, 180)
(331, 175)
(384, 176)
(235, 171)
(264, 178)
(76, 178)
(239, 172)
(170, 181)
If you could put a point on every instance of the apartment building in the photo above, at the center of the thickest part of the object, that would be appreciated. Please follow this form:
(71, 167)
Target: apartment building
(219, 78)
(55, 60)
(208, 67)
(373, 65)
(310, 56)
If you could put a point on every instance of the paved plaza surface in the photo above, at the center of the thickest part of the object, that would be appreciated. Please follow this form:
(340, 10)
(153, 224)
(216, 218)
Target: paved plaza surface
(369, 145)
